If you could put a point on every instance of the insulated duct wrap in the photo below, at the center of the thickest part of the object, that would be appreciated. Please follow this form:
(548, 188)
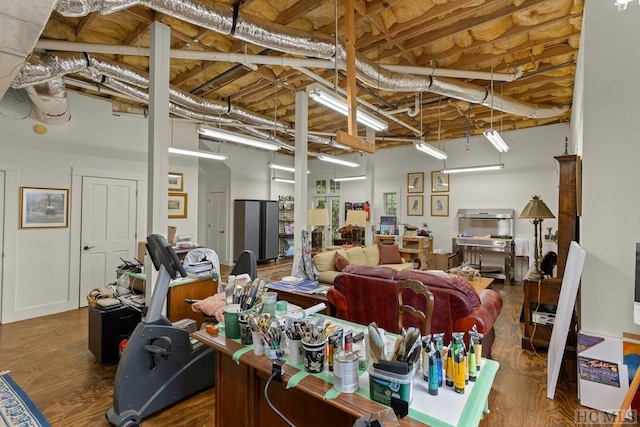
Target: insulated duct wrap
(50, 100)
(220, 18)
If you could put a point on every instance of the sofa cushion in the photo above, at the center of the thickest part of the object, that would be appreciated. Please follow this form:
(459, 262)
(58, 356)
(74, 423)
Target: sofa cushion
(389, 254)
(366, 270)
(356, 256)
(340, 262)
(372, 253)
(328, 276)
(324, 261)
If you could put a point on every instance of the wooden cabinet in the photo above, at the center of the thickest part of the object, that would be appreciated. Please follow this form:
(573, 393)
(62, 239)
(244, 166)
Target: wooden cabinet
(542, 296)
(414, 249)
(541, 299)
(568, 206)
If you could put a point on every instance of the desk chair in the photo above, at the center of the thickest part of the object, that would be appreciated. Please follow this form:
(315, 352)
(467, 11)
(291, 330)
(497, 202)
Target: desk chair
(418, 289)
(246, 263)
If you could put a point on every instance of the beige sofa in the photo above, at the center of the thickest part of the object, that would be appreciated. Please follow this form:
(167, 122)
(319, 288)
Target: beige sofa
(367, 255)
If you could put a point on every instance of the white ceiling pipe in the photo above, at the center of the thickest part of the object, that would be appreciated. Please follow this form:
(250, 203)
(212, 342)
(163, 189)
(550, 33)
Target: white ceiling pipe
(111, 49)
(462, 74)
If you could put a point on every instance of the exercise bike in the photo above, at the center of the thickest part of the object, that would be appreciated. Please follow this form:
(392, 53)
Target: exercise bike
(160, 365)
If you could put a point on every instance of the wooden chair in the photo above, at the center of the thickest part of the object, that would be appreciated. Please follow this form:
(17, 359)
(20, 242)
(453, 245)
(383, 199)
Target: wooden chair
(419, 289)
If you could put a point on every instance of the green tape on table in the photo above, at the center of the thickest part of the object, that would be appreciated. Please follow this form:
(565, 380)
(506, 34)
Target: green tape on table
(296, 378)
(332, 393)
(299, 376)
(236, 356)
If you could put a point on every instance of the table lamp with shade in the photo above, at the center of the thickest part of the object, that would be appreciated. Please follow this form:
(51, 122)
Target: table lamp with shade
(536, 210)
(318, 218)
(357, 218)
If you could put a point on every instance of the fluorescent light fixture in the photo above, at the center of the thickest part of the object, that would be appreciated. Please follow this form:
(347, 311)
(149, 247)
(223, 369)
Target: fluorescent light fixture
(281, 167)
(350, 178)
(202, 154)
(494, 137)
(337, 161)
(236, 137)
(431, 150)
(622, 4)
(338, 103)
(287, 180)
(474, 168)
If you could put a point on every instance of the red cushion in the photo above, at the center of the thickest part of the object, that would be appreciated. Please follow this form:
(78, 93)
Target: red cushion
(340, 262)
(389, 254)
(367, 270)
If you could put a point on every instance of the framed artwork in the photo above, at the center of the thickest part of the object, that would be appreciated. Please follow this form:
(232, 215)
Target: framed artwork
(178, 205)
(439, 182)
(176, 181)
(44, 207)
(415, 182)
(439, 205)
(415, 205)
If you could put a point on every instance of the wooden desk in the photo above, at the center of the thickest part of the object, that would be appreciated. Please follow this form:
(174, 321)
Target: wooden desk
(239, 399)
(480, 283)
(306, 300)
(177, 309)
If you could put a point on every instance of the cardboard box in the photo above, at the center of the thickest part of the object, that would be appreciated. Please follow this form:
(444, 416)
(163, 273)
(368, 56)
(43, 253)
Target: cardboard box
(438, 261)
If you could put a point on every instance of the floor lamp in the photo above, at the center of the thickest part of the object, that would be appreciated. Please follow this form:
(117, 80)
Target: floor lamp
(358, 219)
(318, 218)
(537, 211)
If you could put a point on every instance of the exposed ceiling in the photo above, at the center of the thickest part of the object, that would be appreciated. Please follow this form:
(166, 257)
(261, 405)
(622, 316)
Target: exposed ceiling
(533, 43)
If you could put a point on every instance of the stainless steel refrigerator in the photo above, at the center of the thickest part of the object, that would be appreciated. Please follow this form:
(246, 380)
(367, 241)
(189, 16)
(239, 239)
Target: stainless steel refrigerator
(255, 228)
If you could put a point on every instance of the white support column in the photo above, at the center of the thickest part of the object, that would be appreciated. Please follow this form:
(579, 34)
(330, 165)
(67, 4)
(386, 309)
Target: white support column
(301, 164)
(369, 187)
(158, 146)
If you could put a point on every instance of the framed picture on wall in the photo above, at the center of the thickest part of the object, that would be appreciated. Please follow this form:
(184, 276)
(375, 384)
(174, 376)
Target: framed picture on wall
(415, 205)
(44, 207)
(176, 181)
(439, 205)
(178, 205)
(415, 182)
(439, 182)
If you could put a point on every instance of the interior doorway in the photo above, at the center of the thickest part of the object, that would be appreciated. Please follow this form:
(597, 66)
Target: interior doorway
(332, 204)
(108, 233)
(217, 224)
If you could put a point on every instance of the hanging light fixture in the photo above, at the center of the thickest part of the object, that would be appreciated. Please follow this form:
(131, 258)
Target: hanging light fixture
(285, 180)
(492, 135)
(474, 168)
(236, 137)
(337, 103)
(431, 150)
(426, 147)
(202, 154)
(336, 160)
(350, 178)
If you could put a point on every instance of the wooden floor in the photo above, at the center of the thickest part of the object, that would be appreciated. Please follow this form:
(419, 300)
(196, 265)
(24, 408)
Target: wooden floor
(49, 358)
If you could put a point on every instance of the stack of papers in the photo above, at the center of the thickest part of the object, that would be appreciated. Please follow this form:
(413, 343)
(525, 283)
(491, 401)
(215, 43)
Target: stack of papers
(296, 284)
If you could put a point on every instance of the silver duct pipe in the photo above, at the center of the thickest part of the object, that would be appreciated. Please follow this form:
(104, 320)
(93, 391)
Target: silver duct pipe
(50, 100)
(219, 18)
(43, 68)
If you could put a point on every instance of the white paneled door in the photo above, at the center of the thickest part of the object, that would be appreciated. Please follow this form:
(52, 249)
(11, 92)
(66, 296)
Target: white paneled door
(217, 224)
(108, 230)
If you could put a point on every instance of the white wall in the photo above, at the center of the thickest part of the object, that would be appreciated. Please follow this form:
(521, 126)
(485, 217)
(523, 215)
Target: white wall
(93, 139)
(530, 169)
(610, 222)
